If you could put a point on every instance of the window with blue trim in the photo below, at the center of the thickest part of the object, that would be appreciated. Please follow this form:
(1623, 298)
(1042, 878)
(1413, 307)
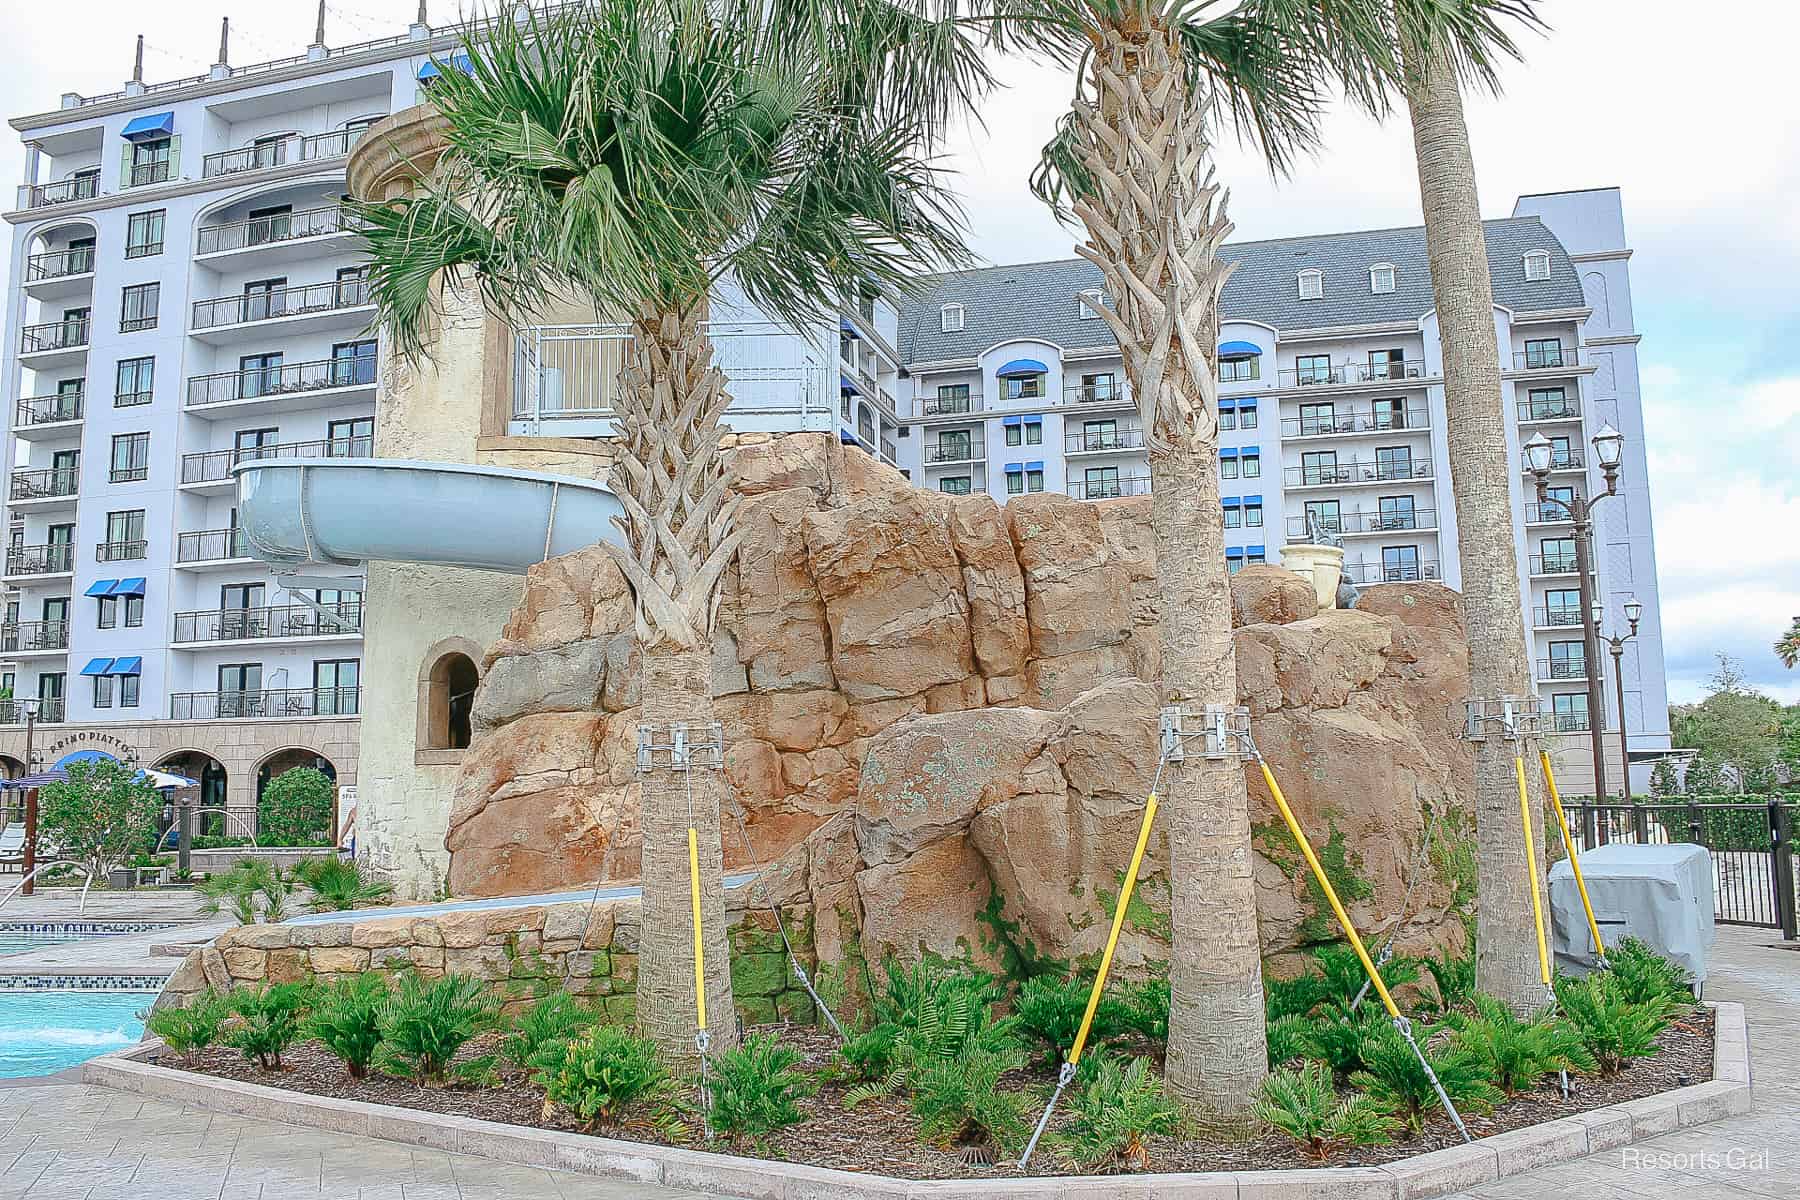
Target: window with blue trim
(1246, 414)
(954, 485)
(1238, 370)
(1028, 431)
(1234, 512)
(1228, 464)
(1253, 515)
(1024, 387)
(1252, 464)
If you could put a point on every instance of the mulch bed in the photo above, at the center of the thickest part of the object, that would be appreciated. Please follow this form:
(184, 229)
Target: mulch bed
(881, 1136)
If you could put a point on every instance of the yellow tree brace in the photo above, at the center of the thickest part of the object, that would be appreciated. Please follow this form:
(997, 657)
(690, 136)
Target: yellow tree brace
(1112, 939)
(699, 950)
(1562, 821)
(1537, 903)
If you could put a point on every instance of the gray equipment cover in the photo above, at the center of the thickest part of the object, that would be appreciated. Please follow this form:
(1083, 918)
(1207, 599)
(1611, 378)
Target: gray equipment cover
(1662, 895)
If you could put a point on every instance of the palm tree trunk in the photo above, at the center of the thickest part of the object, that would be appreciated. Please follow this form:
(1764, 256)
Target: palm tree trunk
(1155, 221)
(678, 526)
(1505, 949)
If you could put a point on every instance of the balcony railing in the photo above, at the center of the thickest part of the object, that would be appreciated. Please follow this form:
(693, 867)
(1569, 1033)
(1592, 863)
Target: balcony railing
(53, 335)
(121, 551)
(50, 559)
(213, 466)
(143, 174)
(1327, 374)
(1414, 520)
(1095, 441)
(49, 711)
(278, 227)
(58, 264)
(1544, 358)
(1555, 618)
(1096, 393)
(1560, 408)
(81, 187)
(282, 702)
(1553, 669)
(1356, 422)
(949, 406)
(1326, 475)
(206, 545)
(46, 484)
(282, 302)
(956, 452)
(287, 379)
(1566, 460)
(48, 410)
(292, 621)
(34, 635)
(1548, 513)
(1374, 572)
(278, 153)
(1564, 722)
(1553, 564)
(1110, 488)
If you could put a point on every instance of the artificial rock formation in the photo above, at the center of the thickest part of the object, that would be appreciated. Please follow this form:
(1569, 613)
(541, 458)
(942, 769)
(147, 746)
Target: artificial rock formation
(941, 722)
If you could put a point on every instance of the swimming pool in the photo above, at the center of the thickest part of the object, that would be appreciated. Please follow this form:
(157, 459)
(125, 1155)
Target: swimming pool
(42, 1032)
(16, 937)
(16, 941)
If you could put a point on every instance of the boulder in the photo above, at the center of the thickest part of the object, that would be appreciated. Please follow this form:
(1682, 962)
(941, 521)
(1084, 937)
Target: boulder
(1263, 594)
(566, 678)
(1072, 599)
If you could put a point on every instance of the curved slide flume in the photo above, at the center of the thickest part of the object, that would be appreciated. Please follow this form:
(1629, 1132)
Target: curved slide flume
(349, 511)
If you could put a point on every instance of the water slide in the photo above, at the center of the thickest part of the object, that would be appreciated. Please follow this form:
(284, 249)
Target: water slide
(343, 512)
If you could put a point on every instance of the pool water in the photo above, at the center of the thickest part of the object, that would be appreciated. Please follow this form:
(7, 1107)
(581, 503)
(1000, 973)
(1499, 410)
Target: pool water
(17, 941)
(43, 1032)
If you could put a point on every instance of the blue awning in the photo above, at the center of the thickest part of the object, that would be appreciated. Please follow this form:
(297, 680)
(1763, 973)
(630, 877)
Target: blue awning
(1012, 420)
(133, 665)
(1246, 402)
(1234, 552)
(1022, 366)
(1252, 499)
(844, 326)
(1230, 501)
(130, 587)
(462, 62)
(1224, 453)
(97, 666)
(1034, 466)
(848, 385)
(144, 129)
(1227, 405)
(1015, 468)
(101, 587)
(1253, 549)
(1239, 350)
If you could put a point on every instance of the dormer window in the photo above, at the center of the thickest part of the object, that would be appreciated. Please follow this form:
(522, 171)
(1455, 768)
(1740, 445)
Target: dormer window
(950, 318)
(1312, 285)
(1381, 279)
(1087, 306)
(1537, 265)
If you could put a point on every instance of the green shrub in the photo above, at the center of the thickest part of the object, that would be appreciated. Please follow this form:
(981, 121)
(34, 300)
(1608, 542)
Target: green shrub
(1296, 997)
(346, 1019)
(103, 814)
(870, 1054)
(604, 1073)
(1302, 1104)
(1111, 1117)
(425, 1022)
(295, 808)
(1646, 977)
(1452, 981)
(1394, 1078)
(1513, 1053)
(1612, 1028)
(1146, 1009)
(338, 885)
(251, 890)
(931, 1015)
(1337, 1036)
(755, 1089)
(959, 1102)
(195, 1027)
(269, 1021)
(553, 1017)
(1289, 1037)
(1050, 1010)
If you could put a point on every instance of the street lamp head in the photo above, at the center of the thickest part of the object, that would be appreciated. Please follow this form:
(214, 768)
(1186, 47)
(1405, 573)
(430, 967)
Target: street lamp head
(1597, 610)
(1538, 452)
(1634, 612)
(30, 705)
(1608, 445)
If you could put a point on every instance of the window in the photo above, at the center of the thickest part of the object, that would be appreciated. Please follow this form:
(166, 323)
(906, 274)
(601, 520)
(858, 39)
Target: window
(134, 612)
(1537, 265)
(1228, 465)
(1087, 306)
(1319, 467)
(353, 364)
(1387, 364)
(951, 398)
(1399, 564)
(269, 150)
(1024, 387)
(1561, 453)
(259, 375)
(1015, 483)
(449, 698)
(1548, 404)
(351, 438)
(150, 161)
(1252, 460)
(144, 234)
(137, 307)
(950, 318)
(1323, 516)
(1227, 417)
(128, 691)
(1557, 555)
(1253, 515)
(1029, 432)
(955, 445)
(1381, 278)
(264, 298)
(240, 690)
(1098, 435)
(248, 444)
(1393, 462)
(1568, 660)
(50, 688)
(103, 691)
(1099, 387)
(352, 286)
(954, 485)
(1397, 512)
(1318, 418)
(1558, 504)
(1570, 711)
(1100, 483)
(1237, 370)
(335, 687)
(1543, 352)
(354, 129)
(272, 224)
(1246, 414)
(1234, 514)
(1255, 557)
(108, 617)
(1034, 479)
(124, 535)
(1389, 414)
(134, 382)
(1562, 606)
(1312, 285)
(130, 457)
(1312, 368)
(1234, 561)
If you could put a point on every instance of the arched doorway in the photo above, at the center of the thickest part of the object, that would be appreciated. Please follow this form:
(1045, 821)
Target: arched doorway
(449, 701)
(209, 794)
(273, 768)
(10, 767)
(283, 761)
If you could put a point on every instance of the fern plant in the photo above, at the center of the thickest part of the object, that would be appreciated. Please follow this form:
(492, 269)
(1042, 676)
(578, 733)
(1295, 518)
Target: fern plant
(268, 1021)
(1050, 1010)
(425, 1022)
(1146, 1009)
(1453, 982)
(1394, 1078)
(1612, 1028)
(346, 1020)
(959, 1102)
(1302, 1104)
(1289, 1037)
(1337, 1036)
(605, 1073)
(941, 1022)
(194, 1028)
(555, 1016)
(1515, 1053)
(756, 1090)
(1646, 977)
(1110, 1118)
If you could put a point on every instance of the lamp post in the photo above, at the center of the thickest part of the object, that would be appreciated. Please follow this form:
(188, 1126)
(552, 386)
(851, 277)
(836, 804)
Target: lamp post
(1539, 459)
(1634, 612)
(28, 859)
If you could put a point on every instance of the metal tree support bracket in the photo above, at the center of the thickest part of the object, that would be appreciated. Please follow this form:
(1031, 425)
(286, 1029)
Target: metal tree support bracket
(681, 746)
(1513, 717)
(1220, 732)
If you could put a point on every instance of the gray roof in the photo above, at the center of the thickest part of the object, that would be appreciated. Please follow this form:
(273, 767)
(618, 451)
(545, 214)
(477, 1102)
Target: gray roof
(1037, 299)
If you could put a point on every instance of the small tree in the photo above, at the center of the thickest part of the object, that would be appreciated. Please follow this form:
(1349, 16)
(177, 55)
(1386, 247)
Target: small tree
(102, 816)
(295, 808)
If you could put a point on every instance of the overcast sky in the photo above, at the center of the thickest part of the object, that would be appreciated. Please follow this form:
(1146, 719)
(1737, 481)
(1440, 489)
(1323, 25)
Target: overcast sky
(1694, 119)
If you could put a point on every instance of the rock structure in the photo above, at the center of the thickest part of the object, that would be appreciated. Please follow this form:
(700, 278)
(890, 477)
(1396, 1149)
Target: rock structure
(940, 720)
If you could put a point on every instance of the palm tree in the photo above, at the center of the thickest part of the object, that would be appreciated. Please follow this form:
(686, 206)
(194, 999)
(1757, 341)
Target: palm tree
(1787, 649)
(634, 154)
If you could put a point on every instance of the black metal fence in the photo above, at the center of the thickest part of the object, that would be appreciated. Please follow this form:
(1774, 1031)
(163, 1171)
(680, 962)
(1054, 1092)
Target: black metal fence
(1751, 842)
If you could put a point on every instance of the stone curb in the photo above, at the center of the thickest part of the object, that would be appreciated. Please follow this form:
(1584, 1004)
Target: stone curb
(1438, 1173)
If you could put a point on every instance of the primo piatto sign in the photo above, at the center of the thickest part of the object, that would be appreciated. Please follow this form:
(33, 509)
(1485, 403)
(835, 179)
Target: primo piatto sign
(106, 743)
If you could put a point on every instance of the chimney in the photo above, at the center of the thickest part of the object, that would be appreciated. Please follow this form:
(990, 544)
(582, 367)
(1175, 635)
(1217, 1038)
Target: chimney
(317, 50)
(222, 68)
(137, 67)
(421, 28)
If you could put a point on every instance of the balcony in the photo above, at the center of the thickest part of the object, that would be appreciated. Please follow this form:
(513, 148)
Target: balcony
(1567, 722)
(314, 306)
(1553, 564)
(1551, 512)
(1361, 524)
(295, 622)
(52, 483)
(283, 703)
(1353, 374)
(1566, 459)
(949, 406)
(57, 408)
(1375, 572)
(54, 558)
(49, 711)
(1561, 670)
(209, 546)
(34, 637)
(1545, 358)
(1555, 617)
(1099, 395)
(215, 466)
(281, 237)
(125, 551)
(290, 386)
(1111, 441)
(145, 174)
(277, 153)
(1110, 488)
(957, 452)
(1560, 408)
(54, 343)
(1346, 424)
(81, 187)
(1353, 472)
(60, 274)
